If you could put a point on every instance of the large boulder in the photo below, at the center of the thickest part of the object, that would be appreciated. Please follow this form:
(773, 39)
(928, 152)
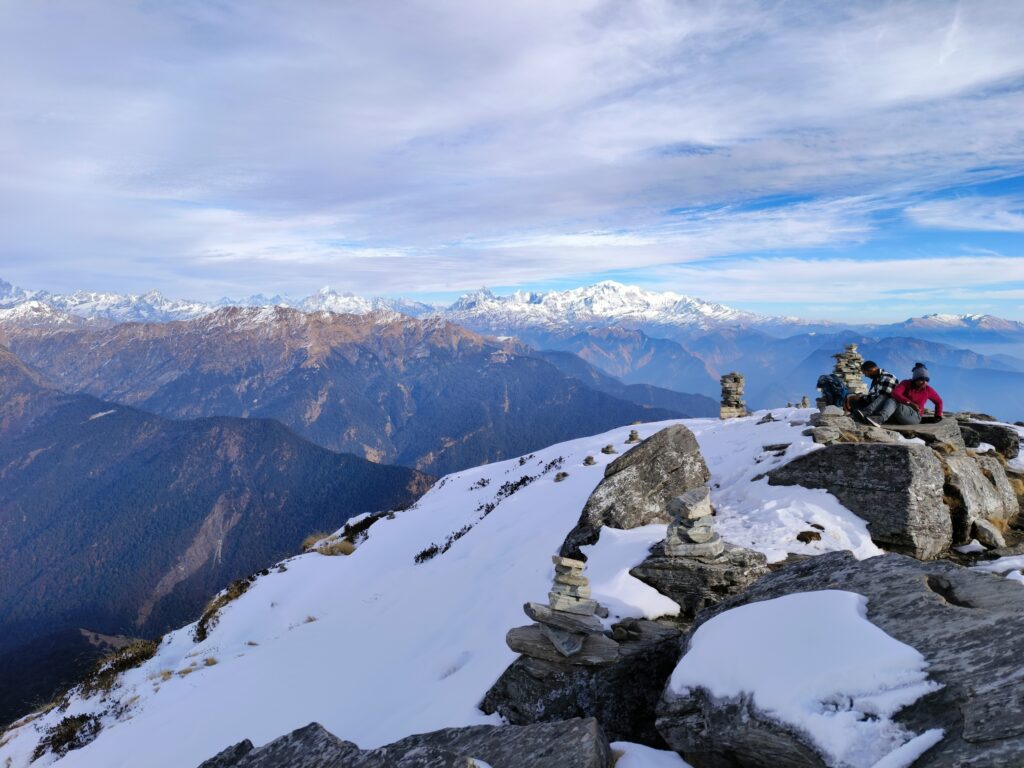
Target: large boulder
(621, 696)
(1003, 438)
(569, 744)
(978, 491)
(968, 625)
(897, 489)
(697, 583)
(638, 485)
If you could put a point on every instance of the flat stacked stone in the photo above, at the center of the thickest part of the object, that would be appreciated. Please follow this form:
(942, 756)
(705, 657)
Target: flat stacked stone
(691, 532)
(567, 629)
(847, 367)
(732, 405)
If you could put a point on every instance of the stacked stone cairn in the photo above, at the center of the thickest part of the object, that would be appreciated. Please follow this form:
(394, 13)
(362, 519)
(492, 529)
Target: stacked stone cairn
(691, 532)
(732, 396)
(847, 367)
(568, 629)
(804, 402)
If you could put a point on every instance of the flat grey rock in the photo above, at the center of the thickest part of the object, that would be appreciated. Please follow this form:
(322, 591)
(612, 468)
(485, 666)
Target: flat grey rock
(691, 505)
(571, 590)
(947, 430)
(311, 746)
(565, 642)
(638, 485)
(568, 621)
(571, 579)
(621, 695)
(531, 641)
(897, 489)
(579, 605)
(697, 584)
(706, 550)
(968, 625)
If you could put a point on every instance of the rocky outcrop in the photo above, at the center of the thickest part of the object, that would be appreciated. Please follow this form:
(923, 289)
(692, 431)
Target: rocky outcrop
(1004, 439)
(569, 744)
(638, 485)
(697, 583)
(832, 425)
(897, 489)
(979, 493)
(968, 625)
(621, 696)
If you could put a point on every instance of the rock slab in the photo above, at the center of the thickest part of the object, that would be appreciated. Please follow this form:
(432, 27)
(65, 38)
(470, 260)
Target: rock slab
(897, 489)
(577, 743)
(968, 625)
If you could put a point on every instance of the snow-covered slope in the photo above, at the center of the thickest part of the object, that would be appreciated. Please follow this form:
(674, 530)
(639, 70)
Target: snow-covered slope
(376, 646)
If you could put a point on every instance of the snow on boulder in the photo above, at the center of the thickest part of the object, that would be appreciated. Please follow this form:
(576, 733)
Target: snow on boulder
(896, 488)
(864, 649)
(812, 662)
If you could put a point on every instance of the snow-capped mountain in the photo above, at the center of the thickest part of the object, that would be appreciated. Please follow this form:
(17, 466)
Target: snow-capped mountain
(973, 322)
(607, 302)
(329, 300)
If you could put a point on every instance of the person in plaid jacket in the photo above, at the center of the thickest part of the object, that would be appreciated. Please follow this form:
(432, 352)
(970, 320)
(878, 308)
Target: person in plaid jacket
(878, 405)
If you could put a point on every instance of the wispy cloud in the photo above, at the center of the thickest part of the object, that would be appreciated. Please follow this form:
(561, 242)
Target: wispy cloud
(209, 147)
(979, 214)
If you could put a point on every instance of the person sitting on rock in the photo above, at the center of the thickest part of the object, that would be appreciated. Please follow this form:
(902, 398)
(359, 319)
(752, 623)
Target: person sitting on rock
(877, 405)
(911, 395)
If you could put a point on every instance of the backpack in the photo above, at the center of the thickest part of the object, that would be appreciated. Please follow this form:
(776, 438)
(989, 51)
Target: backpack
(833, 389)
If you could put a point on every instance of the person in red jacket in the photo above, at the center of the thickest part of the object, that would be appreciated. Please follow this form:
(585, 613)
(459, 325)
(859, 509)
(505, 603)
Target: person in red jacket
(912, 394)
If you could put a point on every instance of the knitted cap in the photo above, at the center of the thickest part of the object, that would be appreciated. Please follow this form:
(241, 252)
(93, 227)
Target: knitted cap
(919, 372)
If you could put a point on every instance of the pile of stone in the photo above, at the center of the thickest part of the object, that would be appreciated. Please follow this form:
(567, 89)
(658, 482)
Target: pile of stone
(691, 532)
(732, 396)
(847, 367)
(567, 629)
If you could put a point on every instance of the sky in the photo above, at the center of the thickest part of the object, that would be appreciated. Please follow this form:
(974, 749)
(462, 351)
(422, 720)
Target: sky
(860, 161)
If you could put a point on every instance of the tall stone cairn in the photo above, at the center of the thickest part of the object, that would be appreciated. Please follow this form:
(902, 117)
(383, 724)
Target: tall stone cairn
(847, 367)
(692, 530)
(567, 628)
(732, 396)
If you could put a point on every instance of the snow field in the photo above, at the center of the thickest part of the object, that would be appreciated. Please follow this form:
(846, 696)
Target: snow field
(375, 646)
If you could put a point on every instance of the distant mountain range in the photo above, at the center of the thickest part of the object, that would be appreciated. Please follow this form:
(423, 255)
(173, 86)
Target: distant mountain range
(662, 339)
(422, 393)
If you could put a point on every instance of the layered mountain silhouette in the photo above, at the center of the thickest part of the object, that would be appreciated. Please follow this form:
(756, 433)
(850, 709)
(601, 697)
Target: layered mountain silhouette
(421, 393)
(124, 522)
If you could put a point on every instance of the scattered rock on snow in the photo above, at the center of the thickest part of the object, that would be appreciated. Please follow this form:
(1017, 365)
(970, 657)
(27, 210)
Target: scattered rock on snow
(637, 486)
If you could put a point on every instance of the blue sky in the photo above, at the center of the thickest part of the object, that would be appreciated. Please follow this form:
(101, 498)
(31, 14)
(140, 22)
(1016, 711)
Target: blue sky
(841, 160)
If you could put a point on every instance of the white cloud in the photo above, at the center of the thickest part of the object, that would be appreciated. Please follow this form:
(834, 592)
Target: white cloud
(440, 143)
(979, 214)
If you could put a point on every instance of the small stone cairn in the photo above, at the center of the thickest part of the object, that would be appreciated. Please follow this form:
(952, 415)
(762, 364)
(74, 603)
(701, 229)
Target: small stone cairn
(732, 396)
(804, 402)
(568, 629)
(691, 532)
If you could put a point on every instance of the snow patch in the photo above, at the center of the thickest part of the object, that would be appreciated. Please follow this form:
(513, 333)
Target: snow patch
(813, 661)
(101, 414)
(608, 565)
(640, 756)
